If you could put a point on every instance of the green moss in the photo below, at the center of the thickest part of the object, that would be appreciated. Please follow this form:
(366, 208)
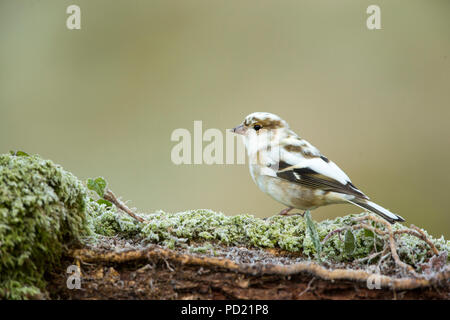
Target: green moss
(41, 207)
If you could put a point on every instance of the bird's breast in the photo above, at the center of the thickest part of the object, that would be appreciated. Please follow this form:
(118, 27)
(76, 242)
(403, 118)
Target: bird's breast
(294, 195)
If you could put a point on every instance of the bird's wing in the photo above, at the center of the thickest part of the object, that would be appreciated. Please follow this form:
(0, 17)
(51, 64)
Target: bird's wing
(315, 172)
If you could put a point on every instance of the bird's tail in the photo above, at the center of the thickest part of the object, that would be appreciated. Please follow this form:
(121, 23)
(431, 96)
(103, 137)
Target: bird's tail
(373, 207)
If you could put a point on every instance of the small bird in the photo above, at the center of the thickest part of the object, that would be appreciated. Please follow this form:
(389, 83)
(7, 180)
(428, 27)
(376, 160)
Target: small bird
(294, 172)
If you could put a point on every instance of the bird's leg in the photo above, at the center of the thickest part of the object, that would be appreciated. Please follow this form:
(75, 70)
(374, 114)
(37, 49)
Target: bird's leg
(285, 212)
(303, 214)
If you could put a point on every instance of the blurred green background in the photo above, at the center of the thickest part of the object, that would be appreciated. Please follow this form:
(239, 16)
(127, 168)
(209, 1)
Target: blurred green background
(105, 99)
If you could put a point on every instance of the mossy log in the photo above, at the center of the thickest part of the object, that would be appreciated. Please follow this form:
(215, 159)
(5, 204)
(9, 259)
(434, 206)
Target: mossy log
(160, 273)
(50, 220)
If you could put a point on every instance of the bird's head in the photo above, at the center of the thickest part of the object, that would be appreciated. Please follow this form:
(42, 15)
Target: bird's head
(259, 123)
(261, 130)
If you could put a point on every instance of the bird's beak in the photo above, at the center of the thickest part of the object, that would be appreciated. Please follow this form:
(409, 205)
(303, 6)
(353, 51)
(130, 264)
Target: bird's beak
(239, 129)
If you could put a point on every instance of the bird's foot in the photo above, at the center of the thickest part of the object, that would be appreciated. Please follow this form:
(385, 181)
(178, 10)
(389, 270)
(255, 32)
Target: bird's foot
(302, 214)
(285, 212)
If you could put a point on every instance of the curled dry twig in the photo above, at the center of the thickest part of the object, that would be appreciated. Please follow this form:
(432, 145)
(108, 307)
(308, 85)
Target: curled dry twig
(390, 234)
(424, 237)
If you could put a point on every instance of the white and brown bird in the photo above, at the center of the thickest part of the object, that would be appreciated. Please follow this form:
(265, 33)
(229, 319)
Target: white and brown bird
(294, 172)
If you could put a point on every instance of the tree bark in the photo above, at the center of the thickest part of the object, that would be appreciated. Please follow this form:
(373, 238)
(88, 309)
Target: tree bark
(159, 273)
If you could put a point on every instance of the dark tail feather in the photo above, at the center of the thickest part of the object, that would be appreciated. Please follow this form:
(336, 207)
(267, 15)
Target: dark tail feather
(373, 207)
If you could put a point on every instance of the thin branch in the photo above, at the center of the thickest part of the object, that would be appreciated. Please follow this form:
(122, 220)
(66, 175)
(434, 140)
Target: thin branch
(395, 254)
(308, 287)
(334, 232)
(368, 258)
(425, 238)
(386, 253)
(391, 237)
(109, 195)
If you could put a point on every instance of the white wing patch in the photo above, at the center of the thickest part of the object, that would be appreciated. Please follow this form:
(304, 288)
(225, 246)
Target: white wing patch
(329, 169)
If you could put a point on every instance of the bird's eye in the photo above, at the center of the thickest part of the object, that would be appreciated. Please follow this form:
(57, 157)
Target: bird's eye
(257, 127)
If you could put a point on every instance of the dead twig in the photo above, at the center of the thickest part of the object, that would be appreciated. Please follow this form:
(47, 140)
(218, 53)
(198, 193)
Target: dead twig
(308, 287)
(368, 258)
(390, 235)
(109, 195)
(334, 232)
(395, 256)
(392, 244)
(425, 238)
(384, 254)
